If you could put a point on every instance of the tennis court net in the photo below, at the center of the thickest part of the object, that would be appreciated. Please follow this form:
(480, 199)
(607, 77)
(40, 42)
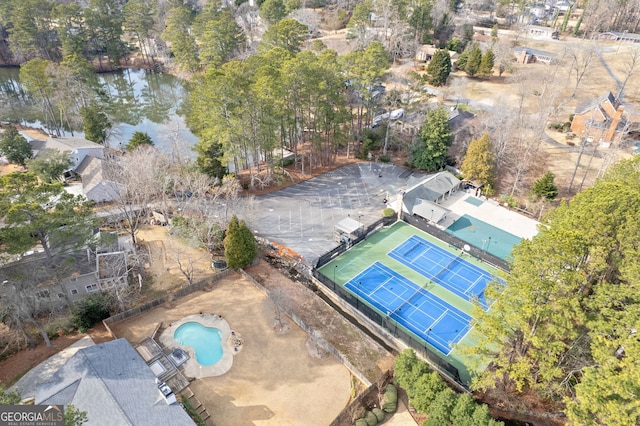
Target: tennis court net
(435, 277)
(406, 302)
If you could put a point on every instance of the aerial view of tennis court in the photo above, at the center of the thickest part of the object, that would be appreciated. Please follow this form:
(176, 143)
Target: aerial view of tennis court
(417, 283)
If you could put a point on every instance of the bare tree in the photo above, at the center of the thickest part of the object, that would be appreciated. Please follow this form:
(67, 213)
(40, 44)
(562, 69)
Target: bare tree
(185, 260)
(279, 296)
(631, 63)
(132, 181)
(580, 57)
(23, 303)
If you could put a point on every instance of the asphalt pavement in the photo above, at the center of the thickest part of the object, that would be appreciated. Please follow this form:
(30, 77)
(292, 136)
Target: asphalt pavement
(302, 217)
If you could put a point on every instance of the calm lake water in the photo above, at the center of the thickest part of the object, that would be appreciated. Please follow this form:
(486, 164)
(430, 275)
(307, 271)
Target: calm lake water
(139, 101)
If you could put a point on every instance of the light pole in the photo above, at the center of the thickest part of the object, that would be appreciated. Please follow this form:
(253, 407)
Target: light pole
(334, 273)
(358, 297)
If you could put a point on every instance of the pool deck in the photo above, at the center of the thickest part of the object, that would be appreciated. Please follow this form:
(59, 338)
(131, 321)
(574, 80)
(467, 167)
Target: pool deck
(490, 212)
(191, 368)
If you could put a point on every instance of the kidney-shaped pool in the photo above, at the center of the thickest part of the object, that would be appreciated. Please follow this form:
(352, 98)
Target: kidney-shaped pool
(205, 341)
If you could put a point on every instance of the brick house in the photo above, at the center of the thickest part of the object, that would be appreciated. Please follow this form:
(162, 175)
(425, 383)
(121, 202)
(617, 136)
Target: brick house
(525, 55)
(601, 120)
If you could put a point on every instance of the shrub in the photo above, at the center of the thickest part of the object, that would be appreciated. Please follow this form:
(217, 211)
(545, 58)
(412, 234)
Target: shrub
(91, 310)
(388, 212)
(389, 400)
(361, 422)
(371, 419)
(379, 414)
(191, 411)
(384, 158)
(287, 161)
(511, 202)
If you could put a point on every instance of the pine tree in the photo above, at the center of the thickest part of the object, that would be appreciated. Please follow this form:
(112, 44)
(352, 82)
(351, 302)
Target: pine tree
(14, 146)
(479, 163)
(240, 246)
(439, 67)
(565, 327)
(486, 64)
(430, 153)
(472, 65)
(95, 123)
(545, 187)
(138, 139)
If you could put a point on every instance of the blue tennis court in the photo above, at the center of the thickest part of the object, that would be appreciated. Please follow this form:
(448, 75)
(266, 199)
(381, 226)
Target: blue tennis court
(444, 268)
(428, 317)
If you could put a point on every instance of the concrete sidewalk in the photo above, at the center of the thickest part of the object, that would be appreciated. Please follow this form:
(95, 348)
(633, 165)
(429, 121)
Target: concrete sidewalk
(43, 372)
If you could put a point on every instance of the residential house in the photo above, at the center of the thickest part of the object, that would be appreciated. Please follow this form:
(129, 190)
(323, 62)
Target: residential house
(459, 118)
(114, 385)
(601, 120)
(525, 55)
(422, 199)
(618, 36)
(426, 52)
(537, 31)
(78, 148)
(76, 276)
(95, 186)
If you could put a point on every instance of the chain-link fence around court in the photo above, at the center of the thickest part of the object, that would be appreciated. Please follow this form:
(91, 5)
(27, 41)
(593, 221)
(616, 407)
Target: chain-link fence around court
(387, 324)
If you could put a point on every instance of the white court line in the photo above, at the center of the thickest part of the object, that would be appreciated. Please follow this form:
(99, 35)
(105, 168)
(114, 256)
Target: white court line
(473, 284)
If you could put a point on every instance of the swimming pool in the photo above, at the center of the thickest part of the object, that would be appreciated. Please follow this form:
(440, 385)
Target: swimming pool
(205, 341)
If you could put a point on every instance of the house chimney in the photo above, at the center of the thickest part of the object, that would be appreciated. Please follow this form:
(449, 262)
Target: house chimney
(615, 120)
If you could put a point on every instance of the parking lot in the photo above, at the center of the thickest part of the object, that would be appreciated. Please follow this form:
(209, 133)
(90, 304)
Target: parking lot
(302, 217)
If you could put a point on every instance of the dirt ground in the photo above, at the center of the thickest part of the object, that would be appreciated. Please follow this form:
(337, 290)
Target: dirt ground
(271, 372)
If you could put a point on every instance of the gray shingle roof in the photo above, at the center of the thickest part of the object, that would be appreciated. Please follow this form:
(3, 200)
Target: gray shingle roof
(590, 104)
(429, 189)
(114, 386)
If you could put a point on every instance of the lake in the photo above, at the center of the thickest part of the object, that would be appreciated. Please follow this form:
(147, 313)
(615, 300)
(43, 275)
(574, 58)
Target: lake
(139, 100)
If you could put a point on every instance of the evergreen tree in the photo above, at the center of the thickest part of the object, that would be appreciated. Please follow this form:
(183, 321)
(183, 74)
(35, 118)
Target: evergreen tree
(14, 146)
(273, 11)
(287, 33)
(9, 398)
(430, 153)
(567, 324)
(486, 64)
(439, 67)
(50, 164)
(240, 246)
(220, 40)
(479, 163)
(472, 65)
(34, 212)
(96, 123)
(138, 139)
(463, 59)
(178, 33)
(74, 416)
(209, 158)
(545, 187)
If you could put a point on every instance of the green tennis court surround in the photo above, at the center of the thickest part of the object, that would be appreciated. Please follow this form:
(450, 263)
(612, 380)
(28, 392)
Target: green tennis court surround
(419, 287)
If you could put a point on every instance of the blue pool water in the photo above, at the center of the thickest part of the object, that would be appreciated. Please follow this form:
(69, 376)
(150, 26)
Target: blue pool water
(205, 341)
